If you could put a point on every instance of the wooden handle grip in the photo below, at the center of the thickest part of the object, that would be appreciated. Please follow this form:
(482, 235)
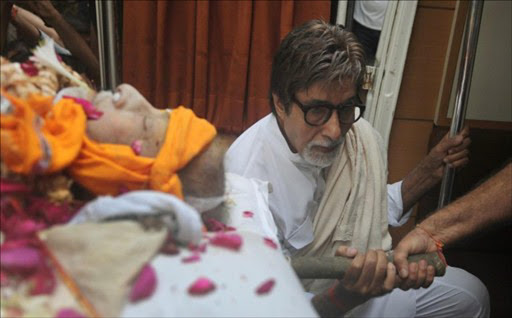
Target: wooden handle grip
(335, 267)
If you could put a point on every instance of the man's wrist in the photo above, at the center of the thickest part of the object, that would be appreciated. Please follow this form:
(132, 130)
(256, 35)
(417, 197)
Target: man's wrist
(348, 298)
(52, 18)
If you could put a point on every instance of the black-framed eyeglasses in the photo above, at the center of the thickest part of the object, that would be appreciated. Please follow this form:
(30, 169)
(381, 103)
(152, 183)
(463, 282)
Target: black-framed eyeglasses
(317, 115)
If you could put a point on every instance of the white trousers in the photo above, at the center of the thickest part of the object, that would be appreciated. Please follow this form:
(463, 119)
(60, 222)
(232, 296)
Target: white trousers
(456, 294)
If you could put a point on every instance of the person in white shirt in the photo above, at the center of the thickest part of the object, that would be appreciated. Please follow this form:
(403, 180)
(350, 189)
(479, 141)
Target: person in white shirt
(327, 169)
(368, 20)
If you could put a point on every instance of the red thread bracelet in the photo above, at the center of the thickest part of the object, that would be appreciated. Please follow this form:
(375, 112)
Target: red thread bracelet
(439, 243)
(332, 298)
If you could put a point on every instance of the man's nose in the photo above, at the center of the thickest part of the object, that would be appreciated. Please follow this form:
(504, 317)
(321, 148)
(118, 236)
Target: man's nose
(332, 128)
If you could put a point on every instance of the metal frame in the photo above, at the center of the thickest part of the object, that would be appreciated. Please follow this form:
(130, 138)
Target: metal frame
(469, 42)
(105, 20)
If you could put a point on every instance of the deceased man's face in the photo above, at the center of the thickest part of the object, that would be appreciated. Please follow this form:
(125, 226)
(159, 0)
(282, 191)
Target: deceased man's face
(128, 117)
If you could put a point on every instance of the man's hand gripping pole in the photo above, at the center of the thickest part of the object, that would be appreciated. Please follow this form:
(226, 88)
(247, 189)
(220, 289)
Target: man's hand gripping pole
(336, 266)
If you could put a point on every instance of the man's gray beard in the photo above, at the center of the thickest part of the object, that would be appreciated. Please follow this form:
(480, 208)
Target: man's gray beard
(320, 159)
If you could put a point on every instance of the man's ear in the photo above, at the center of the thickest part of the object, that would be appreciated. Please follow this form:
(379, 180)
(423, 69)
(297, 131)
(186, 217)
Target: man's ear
(278, 105)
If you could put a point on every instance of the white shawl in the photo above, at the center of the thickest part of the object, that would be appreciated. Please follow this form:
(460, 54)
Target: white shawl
(353, 209)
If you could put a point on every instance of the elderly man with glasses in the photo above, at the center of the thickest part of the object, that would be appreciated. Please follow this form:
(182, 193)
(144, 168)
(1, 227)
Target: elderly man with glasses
(327, 170)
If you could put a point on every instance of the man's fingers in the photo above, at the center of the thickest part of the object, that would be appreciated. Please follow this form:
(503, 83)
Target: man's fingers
(422, 274)
(380, 273)
(411, 279)
(354, 271)
(459, 163)
(389, 283)
(456, 156)
(365, 282)
(431, 273)
(402, 265)
(464, 145)
(346, 251)
(465, 131)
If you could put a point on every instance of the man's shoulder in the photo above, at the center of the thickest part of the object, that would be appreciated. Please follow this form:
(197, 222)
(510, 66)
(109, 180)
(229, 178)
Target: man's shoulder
(369, 131)
(248, 148)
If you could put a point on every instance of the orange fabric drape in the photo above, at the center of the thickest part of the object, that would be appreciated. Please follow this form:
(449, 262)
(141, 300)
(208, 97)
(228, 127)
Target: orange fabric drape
(41, 137)
(212, 56)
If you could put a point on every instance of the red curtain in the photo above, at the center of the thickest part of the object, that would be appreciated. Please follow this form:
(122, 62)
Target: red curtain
(212, 56)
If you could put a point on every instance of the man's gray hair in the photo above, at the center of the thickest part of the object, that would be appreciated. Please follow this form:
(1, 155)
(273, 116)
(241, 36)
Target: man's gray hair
(315, 52)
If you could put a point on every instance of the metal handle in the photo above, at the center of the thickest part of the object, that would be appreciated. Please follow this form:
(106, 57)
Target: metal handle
(467, 62)
(335, 267)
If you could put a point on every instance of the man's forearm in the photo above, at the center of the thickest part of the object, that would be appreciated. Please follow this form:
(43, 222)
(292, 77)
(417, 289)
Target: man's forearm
(75, 43)
(488, 204)
(416, 184)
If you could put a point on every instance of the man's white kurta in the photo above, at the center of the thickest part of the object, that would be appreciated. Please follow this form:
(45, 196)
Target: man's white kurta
(297, 187)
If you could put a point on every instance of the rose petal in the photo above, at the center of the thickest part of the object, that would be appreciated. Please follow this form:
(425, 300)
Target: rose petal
(145, 284)
(197, 248)
(137, 147)
(270, 242)
(169, 246)
(20, 259)
(43, 282)
(214, 226)
(248, 214)
(192, 258)
(202, 248)
(4, 280)
(7, 186)
(201, 286)
(29, 68)
(266, 287)
(231, 241)
(90, 110)
(24, 229)
(122, 189)
(169, 249)
(68, 313)
(53, 213)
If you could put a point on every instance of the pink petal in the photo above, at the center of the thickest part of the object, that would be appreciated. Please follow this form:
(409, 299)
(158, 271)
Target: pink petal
(145, 284)
(169, 246)
(270, 242)
(24, 229)
(214, 226)
(231, 241)
(192, 258)
(123, 189)
(90, 110)
(266, 287)
(20, 259)
(248, 214)
(197, 248)
(137, 147)
(202, 248)
(43, 282)
(29, 68)
(201, 286)
(169, 249)
(68, 313)
(7, 186)
(53, 213)
(4, 280)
